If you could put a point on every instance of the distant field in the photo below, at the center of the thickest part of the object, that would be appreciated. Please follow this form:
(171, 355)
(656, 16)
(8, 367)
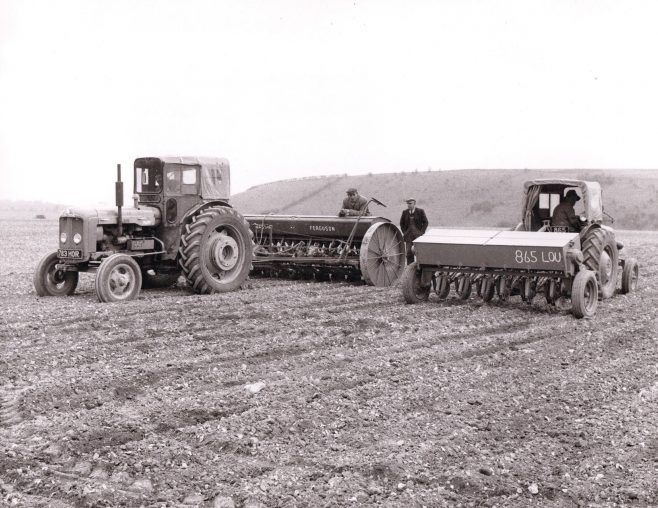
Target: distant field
(455, 198)
(366, 401)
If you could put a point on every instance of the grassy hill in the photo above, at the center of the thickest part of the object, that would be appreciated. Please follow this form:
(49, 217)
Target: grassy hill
(455, 198)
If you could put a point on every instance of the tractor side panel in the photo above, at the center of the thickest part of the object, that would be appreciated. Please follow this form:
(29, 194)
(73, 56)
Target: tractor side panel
(310, 226)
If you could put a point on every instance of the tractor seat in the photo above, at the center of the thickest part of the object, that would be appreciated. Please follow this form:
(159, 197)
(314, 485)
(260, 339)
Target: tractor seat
(620, 245)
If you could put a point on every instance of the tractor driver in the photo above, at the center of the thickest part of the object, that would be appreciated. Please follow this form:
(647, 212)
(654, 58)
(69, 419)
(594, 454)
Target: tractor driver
(354, 205)
(564, 214)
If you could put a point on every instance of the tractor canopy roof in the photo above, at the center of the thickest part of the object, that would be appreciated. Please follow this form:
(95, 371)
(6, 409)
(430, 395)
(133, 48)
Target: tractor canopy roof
(215, 174)
(590, 191)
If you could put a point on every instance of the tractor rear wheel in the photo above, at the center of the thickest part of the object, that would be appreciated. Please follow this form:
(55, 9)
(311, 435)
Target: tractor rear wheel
(118, 279)
(629, 276)
(584, 294)
(151, 279)
(382, 255)
(602, 257)
(216, 250)
(48, 281)
(411, 289)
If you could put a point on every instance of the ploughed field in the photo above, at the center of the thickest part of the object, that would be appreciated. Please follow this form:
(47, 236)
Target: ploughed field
(302, 393)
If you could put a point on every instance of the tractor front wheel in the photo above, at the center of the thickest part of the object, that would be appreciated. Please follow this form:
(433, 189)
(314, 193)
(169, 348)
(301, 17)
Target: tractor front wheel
(118, 279)
(411, 289)
(49, 281)
(629, 276)
(584, 294)
(216, 250)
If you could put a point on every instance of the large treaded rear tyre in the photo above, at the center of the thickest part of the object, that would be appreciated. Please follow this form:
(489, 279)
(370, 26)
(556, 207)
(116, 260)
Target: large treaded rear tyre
(411, 289)
(216, 250)
(48, 281)
(584, 294)
(602, 257)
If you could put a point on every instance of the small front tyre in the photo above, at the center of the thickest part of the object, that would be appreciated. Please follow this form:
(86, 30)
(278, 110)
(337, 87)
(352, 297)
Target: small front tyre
(584, 294)
(49, 281)
(118, 279)
(629, 276)
(411, 289)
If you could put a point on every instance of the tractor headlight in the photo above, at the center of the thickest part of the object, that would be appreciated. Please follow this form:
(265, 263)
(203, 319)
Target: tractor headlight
(77, 238)
(63, 238)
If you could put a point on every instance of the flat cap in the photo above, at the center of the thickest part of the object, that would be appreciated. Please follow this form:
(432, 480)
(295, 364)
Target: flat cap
(351, 190)
(408, 200)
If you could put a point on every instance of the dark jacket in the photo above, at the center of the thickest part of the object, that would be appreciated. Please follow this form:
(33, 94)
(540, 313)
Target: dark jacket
(354, 206)
(413, 225)
(565, 215)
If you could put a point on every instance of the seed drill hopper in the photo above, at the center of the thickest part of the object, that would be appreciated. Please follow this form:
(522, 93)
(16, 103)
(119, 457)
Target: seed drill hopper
(361, 247)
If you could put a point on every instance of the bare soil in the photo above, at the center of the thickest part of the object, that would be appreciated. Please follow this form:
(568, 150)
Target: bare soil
(363, 401)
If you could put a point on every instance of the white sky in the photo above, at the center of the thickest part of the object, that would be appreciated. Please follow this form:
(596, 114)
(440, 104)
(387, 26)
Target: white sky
(297, 88)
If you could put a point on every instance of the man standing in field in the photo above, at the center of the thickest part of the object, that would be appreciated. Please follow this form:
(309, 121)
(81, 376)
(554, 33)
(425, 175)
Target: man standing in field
(564, 214)
(413, 224)
(354, 205)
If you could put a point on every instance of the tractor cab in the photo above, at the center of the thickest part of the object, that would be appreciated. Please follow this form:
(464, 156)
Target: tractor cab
(176, 184)
(541, 197)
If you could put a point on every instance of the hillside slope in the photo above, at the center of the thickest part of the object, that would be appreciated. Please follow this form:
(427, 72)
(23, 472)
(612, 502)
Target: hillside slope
(455, 198)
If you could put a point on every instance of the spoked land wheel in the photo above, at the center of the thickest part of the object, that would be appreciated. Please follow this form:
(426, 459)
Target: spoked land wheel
(382, 257)
(411, 289)
(629, 276)
(48, 281)
(442, 285)
(216, 250)
(601, 255)
(584, 294)
(153, 279)
(118, 279)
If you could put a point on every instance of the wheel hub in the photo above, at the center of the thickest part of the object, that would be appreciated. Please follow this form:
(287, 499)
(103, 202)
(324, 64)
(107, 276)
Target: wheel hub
(120, 280)
(224, 252)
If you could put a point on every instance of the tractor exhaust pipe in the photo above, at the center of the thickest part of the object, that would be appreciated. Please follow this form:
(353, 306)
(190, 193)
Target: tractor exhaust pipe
(118, 190)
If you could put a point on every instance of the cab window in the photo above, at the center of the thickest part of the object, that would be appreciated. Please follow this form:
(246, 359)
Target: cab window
(148, 180)
(548, 201)
(181, 179)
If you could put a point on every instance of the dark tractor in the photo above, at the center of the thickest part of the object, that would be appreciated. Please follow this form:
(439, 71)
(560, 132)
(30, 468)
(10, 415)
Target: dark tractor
(598, 244)
(182, 224)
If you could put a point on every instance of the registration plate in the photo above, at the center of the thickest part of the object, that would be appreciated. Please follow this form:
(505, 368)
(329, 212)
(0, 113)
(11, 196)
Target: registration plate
(69, 253)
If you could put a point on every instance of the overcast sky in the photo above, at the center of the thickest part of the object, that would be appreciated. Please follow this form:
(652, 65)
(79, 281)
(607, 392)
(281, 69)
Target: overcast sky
(296, 88)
